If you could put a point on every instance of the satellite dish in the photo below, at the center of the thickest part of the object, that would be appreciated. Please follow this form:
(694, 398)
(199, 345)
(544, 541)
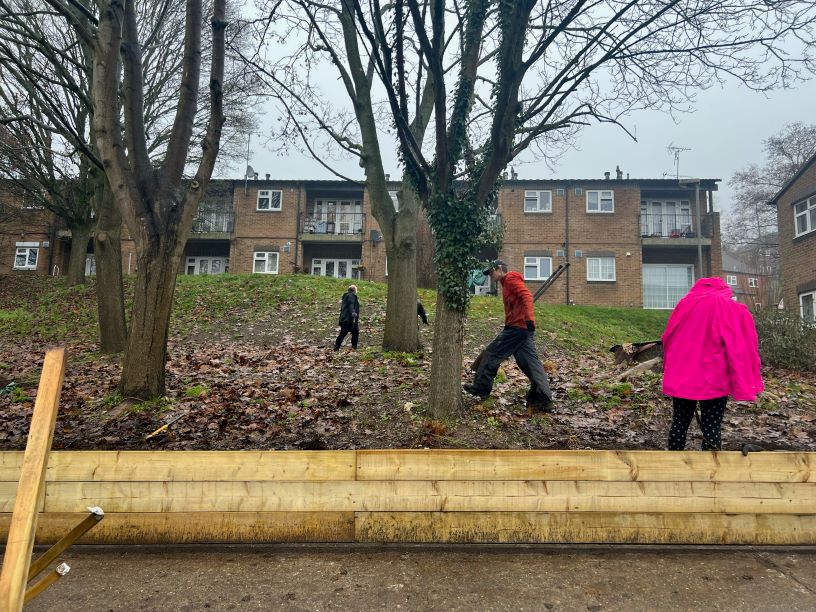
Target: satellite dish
(250, 172)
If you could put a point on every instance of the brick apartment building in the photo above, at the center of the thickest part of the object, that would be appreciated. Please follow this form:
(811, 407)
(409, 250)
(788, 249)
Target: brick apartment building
(750, 286)
(31, 239)
(630, 242)
(796, 217)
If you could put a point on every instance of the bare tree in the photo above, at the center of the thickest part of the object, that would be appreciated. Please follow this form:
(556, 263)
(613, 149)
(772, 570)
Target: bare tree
(160, 32)
(320, 33)
(556, 66)
(750, 226)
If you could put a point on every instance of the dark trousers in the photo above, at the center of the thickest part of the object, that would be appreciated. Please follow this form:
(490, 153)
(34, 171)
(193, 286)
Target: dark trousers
(519, 343)
(345, 328)
(711, 416)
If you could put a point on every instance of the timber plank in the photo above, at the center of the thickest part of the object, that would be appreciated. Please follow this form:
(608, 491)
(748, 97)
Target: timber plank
(472, 496)
(10, 464)
(27, 502)
(585, 528)
(201, 465)
(199, 527)
(724, 466)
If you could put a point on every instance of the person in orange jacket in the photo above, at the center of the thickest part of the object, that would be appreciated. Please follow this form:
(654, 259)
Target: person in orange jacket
(515, 339)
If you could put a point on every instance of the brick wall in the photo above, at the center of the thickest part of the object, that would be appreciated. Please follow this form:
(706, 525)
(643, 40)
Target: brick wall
(19, 224)
(797, 255)
(613, 234)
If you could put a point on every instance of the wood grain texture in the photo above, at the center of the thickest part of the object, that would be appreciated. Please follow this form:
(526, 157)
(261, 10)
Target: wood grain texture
(695, 466)
(199, 527)
(588, 528)
(28, 498)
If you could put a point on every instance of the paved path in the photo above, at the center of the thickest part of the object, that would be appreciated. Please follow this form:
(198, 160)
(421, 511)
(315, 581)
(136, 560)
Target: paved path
(418, 578)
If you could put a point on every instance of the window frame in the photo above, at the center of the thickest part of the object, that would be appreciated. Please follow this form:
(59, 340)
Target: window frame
(808, 212)
(265, 257)
(26, 248)
(536, 193)
(753, 283)
(599, 193)
(812, 295)
(600, 268)
(729, 278)
(538, 264)
(267, 193)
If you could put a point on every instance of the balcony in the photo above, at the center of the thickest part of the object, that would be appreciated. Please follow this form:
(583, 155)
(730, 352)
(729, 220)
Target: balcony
(332, 227)
(670, 229)
(213, 224)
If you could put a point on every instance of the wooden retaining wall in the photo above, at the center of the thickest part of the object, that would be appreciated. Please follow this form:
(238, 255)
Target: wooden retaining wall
(479, 496)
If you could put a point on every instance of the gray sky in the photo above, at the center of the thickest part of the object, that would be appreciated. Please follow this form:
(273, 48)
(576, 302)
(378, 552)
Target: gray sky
(724, 134)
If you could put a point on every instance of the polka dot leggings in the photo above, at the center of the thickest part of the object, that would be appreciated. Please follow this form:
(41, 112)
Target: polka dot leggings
(711, 415)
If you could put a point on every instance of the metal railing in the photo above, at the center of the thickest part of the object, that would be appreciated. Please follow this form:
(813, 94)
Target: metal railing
(667, 226)
(332, 223)
(209, 222)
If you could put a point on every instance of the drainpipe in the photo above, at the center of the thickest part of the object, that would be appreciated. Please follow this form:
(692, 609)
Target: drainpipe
(297, 229)
(566, 240)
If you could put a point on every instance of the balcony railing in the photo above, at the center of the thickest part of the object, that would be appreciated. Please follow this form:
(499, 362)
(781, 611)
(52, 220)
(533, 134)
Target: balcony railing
(213, 222)
(333, 223)
(667, 226)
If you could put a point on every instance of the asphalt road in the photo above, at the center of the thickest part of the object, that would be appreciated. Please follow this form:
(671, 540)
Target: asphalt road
(439, 578)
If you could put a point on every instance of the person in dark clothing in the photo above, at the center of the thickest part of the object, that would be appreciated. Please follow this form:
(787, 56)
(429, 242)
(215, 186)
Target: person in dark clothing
(349, 318)
(421, 312)
(515, 339)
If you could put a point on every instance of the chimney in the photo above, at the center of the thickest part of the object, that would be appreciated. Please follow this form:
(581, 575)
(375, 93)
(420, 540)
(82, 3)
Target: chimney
(267, 176)
(513, 174)
(606, 176)
(387, 177)
(618, 173)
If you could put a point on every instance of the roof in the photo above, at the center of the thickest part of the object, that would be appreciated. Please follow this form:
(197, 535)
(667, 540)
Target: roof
(793, 179)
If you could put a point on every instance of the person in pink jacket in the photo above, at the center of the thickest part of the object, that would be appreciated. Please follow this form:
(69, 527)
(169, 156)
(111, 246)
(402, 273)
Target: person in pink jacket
(710, 352)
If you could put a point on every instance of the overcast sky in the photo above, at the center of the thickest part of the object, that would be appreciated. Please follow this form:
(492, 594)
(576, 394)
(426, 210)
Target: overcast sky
(724, 134)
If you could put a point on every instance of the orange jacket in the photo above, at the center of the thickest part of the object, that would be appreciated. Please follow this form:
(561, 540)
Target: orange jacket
(518, 301)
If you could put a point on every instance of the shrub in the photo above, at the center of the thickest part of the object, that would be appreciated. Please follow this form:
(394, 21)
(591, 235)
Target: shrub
(785, 340)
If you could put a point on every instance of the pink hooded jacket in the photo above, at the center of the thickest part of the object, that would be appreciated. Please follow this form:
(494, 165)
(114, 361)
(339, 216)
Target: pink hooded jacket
(710, 346)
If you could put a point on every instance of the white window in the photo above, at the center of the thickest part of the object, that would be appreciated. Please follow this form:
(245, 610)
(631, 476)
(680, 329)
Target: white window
(537, 268)
(731, 279)
(537, 201)
(394, 199)
(600, 268)
(269, 199)
(336, 268)
(665, 285)
(753, 282)
(804, 216)
(25, 258)
(265, 263)
(600, 201)
(807, 306)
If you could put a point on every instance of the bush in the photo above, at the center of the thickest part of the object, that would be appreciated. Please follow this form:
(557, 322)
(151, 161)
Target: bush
(785, 340)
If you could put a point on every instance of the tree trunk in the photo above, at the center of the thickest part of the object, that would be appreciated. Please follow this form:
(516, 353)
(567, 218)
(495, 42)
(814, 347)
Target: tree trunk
(79, 249)
(401, 328)
(445, 394)
(110, 295)
(146, 355)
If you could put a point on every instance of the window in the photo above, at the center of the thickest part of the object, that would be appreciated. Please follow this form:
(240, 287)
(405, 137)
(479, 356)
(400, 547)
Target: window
(25, 258)
(537, 201)
(804, 216)
(394, 199)
(753, 282)
(664, 285)
(269, 199)
(600, 268)
(731, 279)
(537, 268)
(265, 263)
(807, 306)
(600, 201)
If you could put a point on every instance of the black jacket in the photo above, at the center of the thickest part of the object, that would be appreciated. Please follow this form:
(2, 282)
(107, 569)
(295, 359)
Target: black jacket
(421, 312)
(350, 310)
